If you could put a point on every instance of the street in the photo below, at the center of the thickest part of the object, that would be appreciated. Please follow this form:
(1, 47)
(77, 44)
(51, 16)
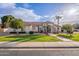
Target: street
(39, 51)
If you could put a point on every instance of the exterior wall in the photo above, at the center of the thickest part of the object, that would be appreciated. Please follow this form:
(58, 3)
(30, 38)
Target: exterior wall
(10, 30)
(5, 30)
(59, 29)
(28, 28)
(34, 28)
(54, 29)
(1, 30)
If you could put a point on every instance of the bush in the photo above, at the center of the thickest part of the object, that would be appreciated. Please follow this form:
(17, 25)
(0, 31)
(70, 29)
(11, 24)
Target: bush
(68, 28)
(31, 32)
(70, 32)
(13, 32)
(22, 32)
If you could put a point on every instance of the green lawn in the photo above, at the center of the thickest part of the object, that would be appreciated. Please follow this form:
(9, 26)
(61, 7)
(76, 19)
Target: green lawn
(74, 36)
(29, 38)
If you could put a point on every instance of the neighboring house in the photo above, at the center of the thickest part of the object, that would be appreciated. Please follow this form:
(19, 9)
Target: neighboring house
(37, 27)
(76, 30)
(1, 29)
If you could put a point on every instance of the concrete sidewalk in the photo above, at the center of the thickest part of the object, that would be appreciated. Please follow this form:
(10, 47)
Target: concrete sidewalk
(39, 44)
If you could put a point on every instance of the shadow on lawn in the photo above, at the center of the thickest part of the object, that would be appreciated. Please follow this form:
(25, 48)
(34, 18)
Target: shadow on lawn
(66, 36)
(24, 38)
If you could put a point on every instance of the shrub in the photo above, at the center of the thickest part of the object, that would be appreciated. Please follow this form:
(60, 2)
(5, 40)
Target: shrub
(13, 32)
(22, 32)
(31, 32)
(68, 28)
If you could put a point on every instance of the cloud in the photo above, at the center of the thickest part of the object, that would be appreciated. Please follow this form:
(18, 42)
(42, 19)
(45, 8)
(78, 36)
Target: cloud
(7, 5)
(46, 16)
(69, 12)
(19, 12)
(26, 14)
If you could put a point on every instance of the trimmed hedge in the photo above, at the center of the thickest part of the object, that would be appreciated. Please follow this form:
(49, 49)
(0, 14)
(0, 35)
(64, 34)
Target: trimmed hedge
(13, 32)
(31, 32)
(22, 32)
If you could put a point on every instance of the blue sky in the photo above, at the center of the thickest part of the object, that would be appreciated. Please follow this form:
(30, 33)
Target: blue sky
(42, 8)
(41, 11)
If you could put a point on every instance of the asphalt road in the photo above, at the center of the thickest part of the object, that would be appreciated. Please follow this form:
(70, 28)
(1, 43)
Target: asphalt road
(39, 51)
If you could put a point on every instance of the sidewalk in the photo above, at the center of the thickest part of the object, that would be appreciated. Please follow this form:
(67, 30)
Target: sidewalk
(39, 44)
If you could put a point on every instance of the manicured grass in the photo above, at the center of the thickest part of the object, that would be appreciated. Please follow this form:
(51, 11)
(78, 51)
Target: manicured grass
(74, 36)
(29, 38)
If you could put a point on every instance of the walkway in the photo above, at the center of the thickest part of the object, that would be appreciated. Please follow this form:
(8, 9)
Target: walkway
(66, 40)
(61, 38)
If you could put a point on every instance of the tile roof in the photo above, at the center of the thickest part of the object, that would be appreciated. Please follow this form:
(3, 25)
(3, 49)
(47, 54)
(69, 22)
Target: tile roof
(38, 23)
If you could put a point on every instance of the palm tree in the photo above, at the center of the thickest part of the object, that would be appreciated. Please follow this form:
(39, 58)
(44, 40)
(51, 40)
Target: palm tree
(58, 19)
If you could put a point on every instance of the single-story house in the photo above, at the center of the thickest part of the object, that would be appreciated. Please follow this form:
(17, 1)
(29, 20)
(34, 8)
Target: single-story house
(37, 27)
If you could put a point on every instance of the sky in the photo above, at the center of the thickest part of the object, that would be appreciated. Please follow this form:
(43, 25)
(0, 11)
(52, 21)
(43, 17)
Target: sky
(41, 12)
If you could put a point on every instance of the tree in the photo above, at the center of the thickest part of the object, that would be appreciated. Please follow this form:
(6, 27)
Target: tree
(5, 20)
(68, 28)
(17, 24)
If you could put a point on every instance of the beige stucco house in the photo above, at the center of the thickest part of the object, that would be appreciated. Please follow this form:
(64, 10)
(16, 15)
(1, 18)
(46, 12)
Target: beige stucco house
(37, 27)
(41, 27)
